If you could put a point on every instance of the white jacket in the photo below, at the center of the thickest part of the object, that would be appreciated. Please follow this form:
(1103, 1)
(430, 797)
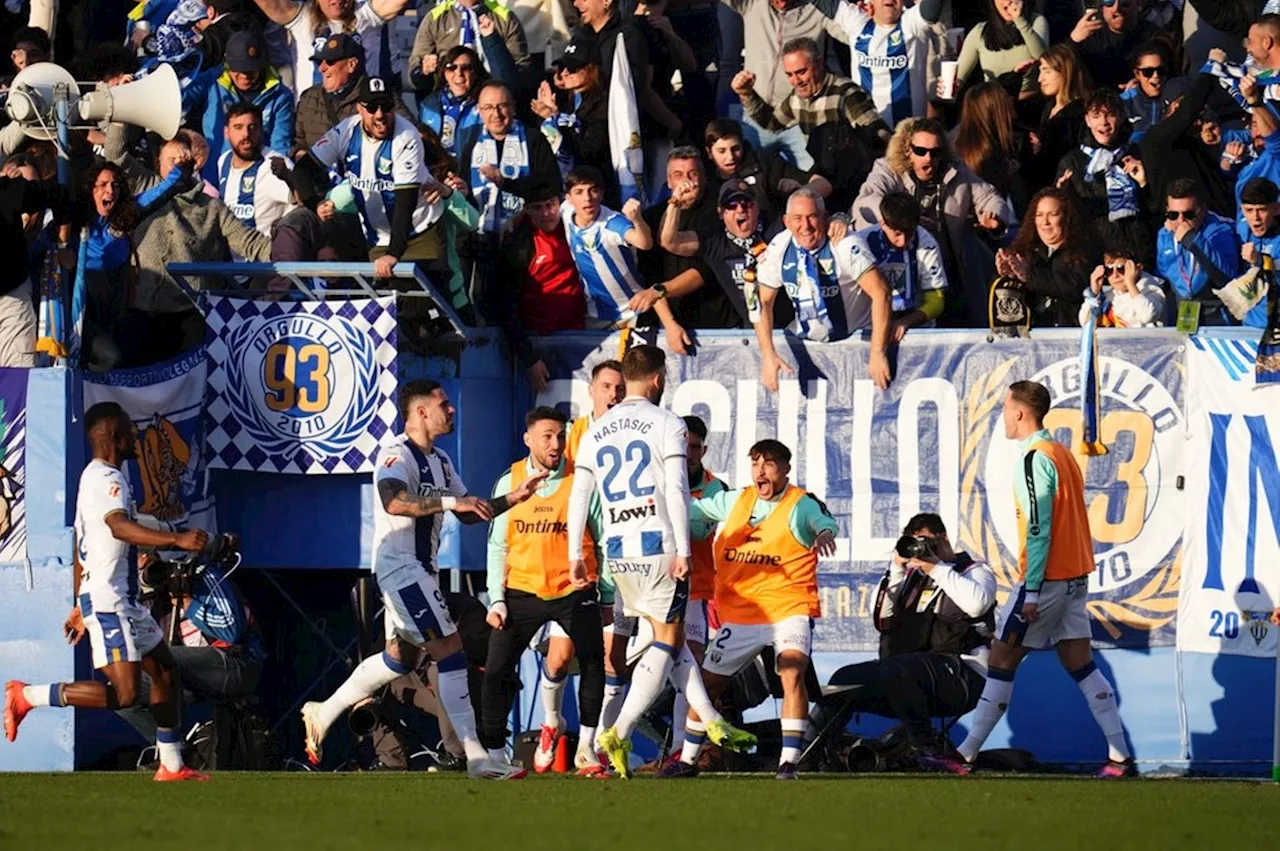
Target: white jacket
(1145, 309)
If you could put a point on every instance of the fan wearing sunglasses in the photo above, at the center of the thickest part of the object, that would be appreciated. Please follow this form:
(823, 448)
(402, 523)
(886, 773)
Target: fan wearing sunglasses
(1105, 37)
(1126, 296)
(1196, 250)
(1144, 99)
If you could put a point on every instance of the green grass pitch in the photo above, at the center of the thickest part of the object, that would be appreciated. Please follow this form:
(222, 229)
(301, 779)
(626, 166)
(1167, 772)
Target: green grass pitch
(236, 812)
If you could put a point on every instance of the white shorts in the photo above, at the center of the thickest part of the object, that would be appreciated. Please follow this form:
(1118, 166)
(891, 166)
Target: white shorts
(736, 644)
(125, 635)
(647, 589)
(416, 613)
(1060, 615)
(695, 623)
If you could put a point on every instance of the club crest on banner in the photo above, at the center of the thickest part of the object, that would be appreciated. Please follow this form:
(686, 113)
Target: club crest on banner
(1136, 581)
(165, 463)
(306, 387)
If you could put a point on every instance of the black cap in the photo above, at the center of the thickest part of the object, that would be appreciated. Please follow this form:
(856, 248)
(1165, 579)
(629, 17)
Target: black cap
(376, 90)
(246, 52)
(339, 47)
(734, 188)
(580, 53)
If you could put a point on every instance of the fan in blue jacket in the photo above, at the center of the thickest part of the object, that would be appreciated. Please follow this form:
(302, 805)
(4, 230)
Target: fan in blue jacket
(247, 77)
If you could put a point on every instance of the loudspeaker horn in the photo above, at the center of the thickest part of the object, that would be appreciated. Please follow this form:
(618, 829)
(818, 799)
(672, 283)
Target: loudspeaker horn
(30, 100)
(154, 103)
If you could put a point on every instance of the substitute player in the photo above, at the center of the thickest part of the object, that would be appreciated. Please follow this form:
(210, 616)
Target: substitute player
(702, 576)
(124, 637)
(605, 391)
(634, 456)
(1047, 607)
(766, 590)
(416, 484)
(529, 586)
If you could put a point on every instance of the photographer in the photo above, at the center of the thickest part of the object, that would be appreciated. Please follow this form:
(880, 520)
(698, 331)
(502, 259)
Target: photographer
(218, 651)
(935, 615)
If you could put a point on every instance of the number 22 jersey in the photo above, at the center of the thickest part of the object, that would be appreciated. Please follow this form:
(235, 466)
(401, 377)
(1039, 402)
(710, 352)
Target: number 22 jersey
(626, 450)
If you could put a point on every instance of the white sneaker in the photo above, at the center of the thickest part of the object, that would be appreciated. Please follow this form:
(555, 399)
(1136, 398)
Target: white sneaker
(314, 738)
(492, 769)
(545, 754)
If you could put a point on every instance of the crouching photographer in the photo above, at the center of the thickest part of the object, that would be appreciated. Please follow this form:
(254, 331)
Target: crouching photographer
(935, 615)
(216, 645)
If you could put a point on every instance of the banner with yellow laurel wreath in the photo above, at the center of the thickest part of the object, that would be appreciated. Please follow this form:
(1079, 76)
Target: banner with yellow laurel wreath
(934, 442)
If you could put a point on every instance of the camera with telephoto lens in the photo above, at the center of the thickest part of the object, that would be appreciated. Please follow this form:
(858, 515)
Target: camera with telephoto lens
(914, 546)
(177, 575)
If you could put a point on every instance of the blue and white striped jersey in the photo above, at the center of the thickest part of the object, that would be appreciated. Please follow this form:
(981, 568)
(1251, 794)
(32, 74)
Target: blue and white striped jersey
(606, 263)
(890, 62)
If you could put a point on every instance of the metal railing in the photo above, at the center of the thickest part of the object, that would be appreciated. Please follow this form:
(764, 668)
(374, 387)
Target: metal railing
(352, 280)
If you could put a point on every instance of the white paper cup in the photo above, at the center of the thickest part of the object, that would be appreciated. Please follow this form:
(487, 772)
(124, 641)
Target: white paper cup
(947, 79)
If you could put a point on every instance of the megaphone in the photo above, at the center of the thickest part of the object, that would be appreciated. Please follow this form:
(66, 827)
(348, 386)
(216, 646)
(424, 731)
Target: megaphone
(32, 95)
(154, 103)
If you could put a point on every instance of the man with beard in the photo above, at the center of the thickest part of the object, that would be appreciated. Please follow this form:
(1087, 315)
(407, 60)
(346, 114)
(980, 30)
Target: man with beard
(380, 154)
(254, 194)
(340, 65)
(1106, 35)
(731, 251)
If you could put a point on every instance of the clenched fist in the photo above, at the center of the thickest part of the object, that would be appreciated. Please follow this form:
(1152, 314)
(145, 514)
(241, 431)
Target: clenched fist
(743, 84)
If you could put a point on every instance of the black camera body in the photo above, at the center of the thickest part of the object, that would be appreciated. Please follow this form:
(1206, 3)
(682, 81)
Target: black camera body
(914, 546)
(177, 576)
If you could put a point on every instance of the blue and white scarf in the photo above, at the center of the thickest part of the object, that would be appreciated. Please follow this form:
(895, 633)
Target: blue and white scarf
(1090, 391)
(813, 284)
(552, 129)
(1230, 74)
(1122, 190)
(453, 113)
(498, 209)
(470, 35)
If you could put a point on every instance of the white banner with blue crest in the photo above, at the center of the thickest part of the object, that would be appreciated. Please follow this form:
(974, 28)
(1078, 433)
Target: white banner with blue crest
(300, 387)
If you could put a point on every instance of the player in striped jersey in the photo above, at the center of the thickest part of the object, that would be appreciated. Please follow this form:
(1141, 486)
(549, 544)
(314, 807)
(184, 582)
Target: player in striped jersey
(380, 154)
(890, 51)
(416, 484)
(635, 458)
(604, 244)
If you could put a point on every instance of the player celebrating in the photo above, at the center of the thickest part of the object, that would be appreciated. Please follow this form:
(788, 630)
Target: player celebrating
(416, 484)
(635, 457)
(529, 586)
(766, 590)
(702, 577)
(1047, 607)
(124, 637)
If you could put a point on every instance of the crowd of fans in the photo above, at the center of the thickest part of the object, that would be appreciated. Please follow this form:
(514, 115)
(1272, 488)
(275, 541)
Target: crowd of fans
(809, 164)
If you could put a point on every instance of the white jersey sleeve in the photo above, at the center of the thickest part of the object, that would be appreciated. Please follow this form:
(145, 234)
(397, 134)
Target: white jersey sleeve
(330, 147)
(933, 274)
(408, 167)
(106, 575)
(855, 255)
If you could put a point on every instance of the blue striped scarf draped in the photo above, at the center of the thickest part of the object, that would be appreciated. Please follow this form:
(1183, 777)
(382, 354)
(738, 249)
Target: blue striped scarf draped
(1122, 190)
(498, 208)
